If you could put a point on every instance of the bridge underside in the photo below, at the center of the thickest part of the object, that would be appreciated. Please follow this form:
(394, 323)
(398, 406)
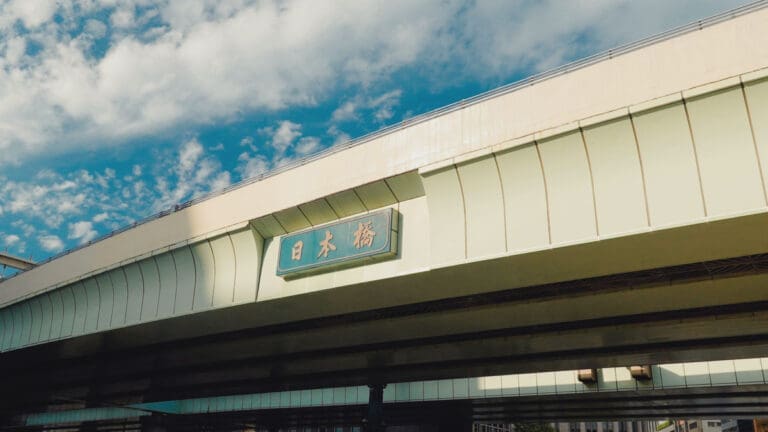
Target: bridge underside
(445, 323)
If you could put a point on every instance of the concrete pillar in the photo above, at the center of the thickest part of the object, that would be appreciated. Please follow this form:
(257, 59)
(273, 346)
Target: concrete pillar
(374, 420)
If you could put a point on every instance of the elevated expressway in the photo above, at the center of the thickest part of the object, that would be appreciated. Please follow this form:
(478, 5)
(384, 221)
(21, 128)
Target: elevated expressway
(607, 214)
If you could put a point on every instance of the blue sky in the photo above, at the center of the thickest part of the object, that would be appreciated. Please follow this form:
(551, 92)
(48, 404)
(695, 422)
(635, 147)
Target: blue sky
(111, 111)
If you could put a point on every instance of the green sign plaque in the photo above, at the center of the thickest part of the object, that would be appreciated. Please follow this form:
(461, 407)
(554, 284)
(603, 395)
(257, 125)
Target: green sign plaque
(339, 244)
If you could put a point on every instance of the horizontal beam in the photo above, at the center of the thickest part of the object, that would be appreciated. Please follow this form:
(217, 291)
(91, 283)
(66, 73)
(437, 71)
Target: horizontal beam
(15, 262)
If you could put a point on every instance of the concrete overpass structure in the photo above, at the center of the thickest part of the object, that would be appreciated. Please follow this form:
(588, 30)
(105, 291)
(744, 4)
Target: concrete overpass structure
(606, 214)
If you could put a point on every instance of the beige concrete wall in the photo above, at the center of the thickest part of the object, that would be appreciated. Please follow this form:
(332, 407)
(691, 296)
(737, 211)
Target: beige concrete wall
(685, 162)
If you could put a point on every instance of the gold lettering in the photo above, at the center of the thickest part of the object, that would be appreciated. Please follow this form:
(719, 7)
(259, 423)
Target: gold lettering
(326, 245)
(296, 250)
(364, 234)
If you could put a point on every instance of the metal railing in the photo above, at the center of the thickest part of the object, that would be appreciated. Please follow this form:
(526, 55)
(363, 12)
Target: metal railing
(552, 73)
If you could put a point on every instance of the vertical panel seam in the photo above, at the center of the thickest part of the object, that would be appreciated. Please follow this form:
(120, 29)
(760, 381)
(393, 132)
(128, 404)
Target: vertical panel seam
(503, 202)
(695, 155)
(11, 311)
(464, 209)
(306, 218)
(50, 327)
(213, 258)
(642, 170)
(234, 263)
(754, 142)
(285, 230)
(354, 191)
(176, 291)
(112, 309)
(194, 279)
(125, 277)
(591, 180)
(40, 330)
(391, 191)
(261, 257)
(98, 302)
(114, 303)
(159, 286)
(546, 191)
(328, 203)
(74, 311)
(98, 310)
(143, 287)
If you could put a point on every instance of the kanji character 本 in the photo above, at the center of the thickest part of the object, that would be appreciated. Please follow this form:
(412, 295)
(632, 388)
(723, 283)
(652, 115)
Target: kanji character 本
(364, 235)
(326, 245)
(296, 250)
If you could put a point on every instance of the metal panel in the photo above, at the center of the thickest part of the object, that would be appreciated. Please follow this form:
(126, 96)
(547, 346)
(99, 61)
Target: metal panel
(224, 283)
(669, 164)
(120, 288)
(26, 323)
(37, 319)
(94, 304)
(185, 279)
(106, 301)
(268, 226)
(18, 325)
(618, 180)
(375, 195)
(135, 285)
(57, 313)
(248, 248)
(45, 318)
(68, 311)
(569, 187)
(346, 203)
(726, 153)
(151, 297)
(406, 186)
(318, 212)
(7, 317)
(292, 219)
(484, 207)
(166, 269)
(81, 308)
(757, 98)
(525, 198)
(446, 216)
(205, 270)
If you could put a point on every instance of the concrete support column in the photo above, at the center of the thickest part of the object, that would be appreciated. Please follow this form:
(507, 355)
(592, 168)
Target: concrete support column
(374, 420)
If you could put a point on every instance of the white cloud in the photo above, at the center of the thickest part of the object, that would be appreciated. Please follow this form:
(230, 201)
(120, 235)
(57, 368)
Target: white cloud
(51, 243)
(251, 166)
(345, 112)
(11, 240)
(284, 135)
(307, 145)
(182, 63)
(30, 13)
(95, 28)
(101, 217)
(136, 170)
(82, 231)
(191, 174)
(385, 104)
